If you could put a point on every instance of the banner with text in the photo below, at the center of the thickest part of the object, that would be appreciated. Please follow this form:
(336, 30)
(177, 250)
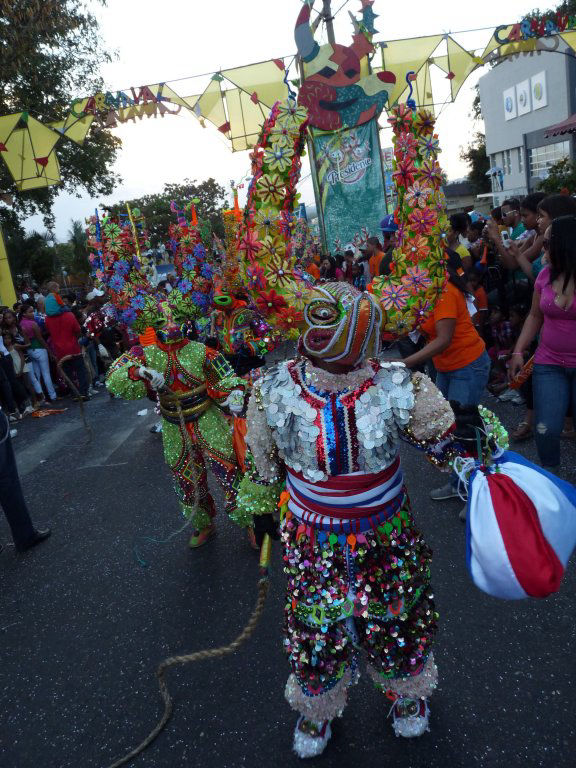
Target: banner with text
(350, 184)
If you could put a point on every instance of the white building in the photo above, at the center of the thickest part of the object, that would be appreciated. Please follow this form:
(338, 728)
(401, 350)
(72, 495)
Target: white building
(523, 100)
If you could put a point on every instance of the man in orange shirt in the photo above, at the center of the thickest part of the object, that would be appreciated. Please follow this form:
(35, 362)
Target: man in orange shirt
(376, 254)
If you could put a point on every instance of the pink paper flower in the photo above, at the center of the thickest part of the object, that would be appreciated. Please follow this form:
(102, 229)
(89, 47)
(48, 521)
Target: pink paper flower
(417, 195)
(422, 220)
(416, 279)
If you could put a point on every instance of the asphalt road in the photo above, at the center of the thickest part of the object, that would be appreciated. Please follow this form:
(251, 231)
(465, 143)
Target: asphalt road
(86, 617)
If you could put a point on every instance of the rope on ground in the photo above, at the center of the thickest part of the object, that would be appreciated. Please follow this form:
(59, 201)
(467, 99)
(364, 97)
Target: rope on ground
(211, 653)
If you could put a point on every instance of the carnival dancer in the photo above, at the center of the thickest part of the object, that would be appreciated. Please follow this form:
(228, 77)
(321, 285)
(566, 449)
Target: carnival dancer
(330, 423)
(192, 381)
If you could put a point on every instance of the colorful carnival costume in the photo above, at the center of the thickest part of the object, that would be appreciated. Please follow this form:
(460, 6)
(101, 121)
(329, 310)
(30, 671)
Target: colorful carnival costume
(358, 569)
(190, 379)
(195, 433)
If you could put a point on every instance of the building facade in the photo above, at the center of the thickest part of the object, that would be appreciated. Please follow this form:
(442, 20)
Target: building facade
(521, 98)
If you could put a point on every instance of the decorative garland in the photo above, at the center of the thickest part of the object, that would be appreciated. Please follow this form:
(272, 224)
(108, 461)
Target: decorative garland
(418, 271)
(265, 237)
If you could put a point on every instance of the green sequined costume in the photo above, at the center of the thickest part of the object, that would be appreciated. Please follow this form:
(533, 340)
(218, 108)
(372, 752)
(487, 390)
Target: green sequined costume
(196, 434)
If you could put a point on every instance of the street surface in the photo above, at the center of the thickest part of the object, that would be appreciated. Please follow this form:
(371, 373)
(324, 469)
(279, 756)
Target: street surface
(86, 617)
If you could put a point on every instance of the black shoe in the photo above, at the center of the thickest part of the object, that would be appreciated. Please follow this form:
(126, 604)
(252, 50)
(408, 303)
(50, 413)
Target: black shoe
(38, 537)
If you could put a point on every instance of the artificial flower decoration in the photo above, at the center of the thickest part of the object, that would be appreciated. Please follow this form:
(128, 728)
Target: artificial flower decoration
(429, 146)
(270, 188)
(249, 243)
(418, 195)
(265, 217)
(424, 122)
(278, 158)
(401, 118)
(406, 146)
(418, 248)
(417, 274)
(432, 172)
(393, 296)
(284, 135)
(270, 303)
(289, 319)
(256, 277)
(111, 229)
(422, 220)
(273, 246)
(404, 173)
(278, 273)
(291, 115)
(416, 279)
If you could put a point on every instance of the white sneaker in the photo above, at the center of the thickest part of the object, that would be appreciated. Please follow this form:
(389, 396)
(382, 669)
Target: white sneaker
(13, 432)
(311, 738)
(410, 717)
(92, 391)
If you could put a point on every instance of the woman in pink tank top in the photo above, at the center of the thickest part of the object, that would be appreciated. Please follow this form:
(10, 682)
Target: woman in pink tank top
(553, 317)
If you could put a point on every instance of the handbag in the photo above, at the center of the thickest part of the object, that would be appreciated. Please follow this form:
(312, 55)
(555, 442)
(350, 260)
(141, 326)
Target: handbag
(521, 528)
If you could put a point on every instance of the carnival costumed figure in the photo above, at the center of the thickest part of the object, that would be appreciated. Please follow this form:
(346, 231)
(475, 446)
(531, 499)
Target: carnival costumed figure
(328, 424)
(191, 381)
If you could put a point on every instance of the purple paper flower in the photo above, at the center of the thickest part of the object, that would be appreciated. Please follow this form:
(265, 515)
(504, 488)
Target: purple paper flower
(138, 302)
(121, 268)
(200, 252)
(128, 316)
(117, 283)
(184, 285)
(207, 271)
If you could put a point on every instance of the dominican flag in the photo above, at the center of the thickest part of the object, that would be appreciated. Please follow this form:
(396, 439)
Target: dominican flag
(521, 528)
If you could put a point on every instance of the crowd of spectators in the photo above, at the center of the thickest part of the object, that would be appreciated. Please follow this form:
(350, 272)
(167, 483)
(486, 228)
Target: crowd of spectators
(55, 344)
(507, 320)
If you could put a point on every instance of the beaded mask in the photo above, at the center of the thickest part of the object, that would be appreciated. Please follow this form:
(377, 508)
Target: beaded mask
(342, 325)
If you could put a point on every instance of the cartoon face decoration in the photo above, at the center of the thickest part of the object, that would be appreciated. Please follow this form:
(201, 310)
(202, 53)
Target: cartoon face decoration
(334, 91)
(342, 325)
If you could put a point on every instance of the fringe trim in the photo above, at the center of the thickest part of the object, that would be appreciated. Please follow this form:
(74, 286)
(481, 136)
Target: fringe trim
(325, 706)
(417, 687)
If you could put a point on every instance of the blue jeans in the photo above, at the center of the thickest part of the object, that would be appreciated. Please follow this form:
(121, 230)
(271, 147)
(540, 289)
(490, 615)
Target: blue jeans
(465, 385)
(554, 390)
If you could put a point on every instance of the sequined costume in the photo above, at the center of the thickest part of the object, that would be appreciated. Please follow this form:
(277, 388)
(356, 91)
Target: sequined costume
(358, 576)
(190, 379)
(202, 379)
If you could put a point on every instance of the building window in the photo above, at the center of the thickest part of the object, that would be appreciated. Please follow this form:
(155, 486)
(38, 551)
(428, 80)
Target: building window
(543, 158)
(520, 159)
(508, 161)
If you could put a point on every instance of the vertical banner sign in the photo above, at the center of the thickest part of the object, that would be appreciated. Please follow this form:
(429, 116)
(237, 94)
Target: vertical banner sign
(349, 183)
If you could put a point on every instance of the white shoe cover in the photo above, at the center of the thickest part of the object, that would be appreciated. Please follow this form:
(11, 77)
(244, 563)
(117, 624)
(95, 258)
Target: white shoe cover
(415, 720)
(306, 745)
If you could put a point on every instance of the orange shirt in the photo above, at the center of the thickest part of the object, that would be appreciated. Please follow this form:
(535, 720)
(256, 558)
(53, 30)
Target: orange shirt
(313, 270)
(374, 264)
(466, 345)
(481, 299)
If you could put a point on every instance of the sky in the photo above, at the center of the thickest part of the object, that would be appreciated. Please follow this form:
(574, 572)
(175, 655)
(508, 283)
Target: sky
(173, 39)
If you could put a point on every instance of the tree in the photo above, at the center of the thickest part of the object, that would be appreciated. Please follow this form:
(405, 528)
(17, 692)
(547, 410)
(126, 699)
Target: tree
(561, 178)
(478, 162)
(51, 51)
(79, 263)
(158, 214)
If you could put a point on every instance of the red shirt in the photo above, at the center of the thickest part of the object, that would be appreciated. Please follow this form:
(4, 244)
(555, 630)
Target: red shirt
(64, 332)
